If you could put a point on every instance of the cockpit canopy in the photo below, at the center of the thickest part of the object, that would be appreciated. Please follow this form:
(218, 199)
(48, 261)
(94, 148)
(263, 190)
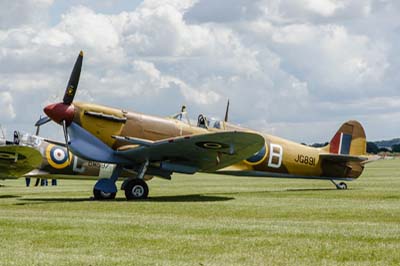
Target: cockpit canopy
(202, 121)
(30, 140)
(211, 122)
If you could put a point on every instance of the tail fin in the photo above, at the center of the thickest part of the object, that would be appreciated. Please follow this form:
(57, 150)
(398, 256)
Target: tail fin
(349, 139)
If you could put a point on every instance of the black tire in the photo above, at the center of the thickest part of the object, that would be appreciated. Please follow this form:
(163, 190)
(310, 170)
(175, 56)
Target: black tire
(343, 185)
(100, 195)
(136, 189)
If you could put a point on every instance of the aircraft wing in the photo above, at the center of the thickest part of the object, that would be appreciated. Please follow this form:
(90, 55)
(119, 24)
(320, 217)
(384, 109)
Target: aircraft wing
(188, 154)
(15, 160)
(185, 154)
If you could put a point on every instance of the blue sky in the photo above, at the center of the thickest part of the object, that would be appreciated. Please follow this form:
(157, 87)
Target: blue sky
(294, 68)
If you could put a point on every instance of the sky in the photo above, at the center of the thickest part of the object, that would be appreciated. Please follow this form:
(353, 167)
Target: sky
(293, 68)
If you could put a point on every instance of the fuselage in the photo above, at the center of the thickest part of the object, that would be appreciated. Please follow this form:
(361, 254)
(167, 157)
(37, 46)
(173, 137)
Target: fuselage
(278, 156)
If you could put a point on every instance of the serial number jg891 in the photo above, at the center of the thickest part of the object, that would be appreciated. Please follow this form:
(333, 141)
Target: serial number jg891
(304, 159)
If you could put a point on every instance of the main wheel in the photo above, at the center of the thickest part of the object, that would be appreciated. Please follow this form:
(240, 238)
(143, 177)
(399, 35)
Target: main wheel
(100, 195)
(342, 185)
(136, 189)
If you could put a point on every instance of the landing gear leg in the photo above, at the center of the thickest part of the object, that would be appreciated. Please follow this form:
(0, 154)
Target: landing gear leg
(105, 188)
(341, 185)
(137, 188)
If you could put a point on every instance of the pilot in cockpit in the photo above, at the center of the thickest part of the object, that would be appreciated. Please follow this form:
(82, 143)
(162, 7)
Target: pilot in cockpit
(202, 121)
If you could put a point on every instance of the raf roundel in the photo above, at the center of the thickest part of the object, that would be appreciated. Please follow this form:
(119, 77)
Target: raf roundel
(258, 157)
(57, 156)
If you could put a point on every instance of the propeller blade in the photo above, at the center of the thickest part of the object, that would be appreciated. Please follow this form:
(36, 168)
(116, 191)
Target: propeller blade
(73, 81)
(64, 123)
(42, 121)
(226, 112)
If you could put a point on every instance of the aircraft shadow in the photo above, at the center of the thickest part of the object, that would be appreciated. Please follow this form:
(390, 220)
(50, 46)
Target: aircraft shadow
(282, 191)
(8, 196)
(316, 189)
(29, 201)
(309, 189)
(189, 198)
(179, 198)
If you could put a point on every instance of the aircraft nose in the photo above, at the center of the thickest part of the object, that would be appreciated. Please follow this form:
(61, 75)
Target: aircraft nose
(59, 112)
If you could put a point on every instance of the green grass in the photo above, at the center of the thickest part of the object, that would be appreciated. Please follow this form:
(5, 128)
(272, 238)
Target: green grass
(207, 220)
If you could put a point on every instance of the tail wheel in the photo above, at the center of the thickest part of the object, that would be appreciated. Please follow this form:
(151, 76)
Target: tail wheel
(101, 195)
(136, 189)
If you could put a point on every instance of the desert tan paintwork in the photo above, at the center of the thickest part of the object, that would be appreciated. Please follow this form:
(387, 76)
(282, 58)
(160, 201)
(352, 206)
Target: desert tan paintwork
(281, 156)
(136, 125)
(297, 159)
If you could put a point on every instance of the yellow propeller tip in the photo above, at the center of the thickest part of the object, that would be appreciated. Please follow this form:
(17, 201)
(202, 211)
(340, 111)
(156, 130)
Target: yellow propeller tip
(81, 53)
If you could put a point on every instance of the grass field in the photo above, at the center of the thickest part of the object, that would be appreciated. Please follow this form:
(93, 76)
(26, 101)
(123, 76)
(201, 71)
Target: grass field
(207, 220)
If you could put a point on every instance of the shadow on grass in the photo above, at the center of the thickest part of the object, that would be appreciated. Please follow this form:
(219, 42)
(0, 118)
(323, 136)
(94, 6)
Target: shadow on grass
(319, 189)
(189, 198)
(30, 201)
(310, 189)
(287, 191)
(9, 196)
(179, 198)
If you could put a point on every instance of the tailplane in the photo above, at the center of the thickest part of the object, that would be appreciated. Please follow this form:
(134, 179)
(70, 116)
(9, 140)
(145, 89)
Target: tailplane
(349, 140)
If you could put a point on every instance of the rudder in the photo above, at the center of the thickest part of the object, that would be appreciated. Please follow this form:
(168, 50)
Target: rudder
(349, 140)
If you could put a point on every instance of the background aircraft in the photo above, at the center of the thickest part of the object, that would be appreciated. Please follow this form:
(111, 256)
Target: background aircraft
(37, 157)
(159, 146)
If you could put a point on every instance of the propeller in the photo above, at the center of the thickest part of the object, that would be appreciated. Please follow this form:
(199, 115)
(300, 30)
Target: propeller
(63, 112)
(73, 81)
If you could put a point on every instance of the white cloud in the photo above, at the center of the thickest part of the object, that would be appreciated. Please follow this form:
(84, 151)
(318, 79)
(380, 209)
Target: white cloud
(22, 12)
(6, 106)
(323, 7)
(284, 64)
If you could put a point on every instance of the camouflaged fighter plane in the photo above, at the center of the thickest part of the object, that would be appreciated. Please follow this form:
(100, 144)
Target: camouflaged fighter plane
(160, 146)
(37, 157)
(141, 143)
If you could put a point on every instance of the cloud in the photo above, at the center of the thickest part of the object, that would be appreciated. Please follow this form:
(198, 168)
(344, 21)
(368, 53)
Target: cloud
(284, 65)
(6, 106)
(23, 12)
(330, 56)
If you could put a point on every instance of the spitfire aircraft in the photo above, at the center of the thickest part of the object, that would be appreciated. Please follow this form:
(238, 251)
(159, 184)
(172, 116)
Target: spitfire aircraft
(37, 157)
(161, 146)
